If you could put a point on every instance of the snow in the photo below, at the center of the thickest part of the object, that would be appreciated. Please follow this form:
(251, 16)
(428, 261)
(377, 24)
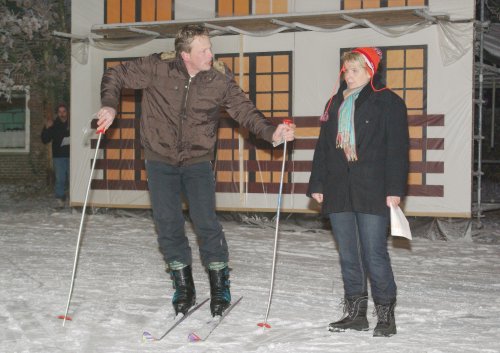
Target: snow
(448, 291)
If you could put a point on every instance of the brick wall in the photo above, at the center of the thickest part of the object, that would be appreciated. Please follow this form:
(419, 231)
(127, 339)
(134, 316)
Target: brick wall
(35, 167)
(31, 167)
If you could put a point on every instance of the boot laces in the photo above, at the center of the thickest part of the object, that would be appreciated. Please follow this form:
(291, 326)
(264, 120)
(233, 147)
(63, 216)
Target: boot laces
(382, 312)
(350, 307)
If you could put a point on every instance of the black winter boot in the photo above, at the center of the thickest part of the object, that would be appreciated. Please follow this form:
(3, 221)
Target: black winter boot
(354, 315)
(185, 294)
(386, 324)
(219, 290)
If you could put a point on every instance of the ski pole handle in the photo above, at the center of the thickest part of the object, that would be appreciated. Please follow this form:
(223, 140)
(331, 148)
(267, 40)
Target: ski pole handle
(286, 122)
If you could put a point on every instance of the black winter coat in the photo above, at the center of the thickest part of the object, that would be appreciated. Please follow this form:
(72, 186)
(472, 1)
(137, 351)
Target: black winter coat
(56, 133)
(381, 129)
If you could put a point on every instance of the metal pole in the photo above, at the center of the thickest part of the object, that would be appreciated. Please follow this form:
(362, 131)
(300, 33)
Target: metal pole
(241, 140)
(81, 227)
(493, 103)
(265, 324)
(479, 137)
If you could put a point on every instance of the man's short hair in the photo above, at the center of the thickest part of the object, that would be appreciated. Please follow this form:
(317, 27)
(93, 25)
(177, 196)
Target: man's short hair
(186, 35)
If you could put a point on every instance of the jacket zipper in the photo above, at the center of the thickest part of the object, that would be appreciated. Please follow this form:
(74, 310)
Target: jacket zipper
(183, 114)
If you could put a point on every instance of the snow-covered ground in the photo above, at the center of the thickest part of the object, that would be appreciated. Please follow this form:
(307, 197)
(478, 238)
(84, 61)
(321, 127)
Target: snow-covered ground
(449, 291)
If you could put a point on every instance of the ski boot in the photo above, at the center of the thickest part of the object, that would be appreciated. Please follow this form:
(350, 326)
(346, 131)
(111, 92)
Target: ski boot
(219, 287)
(185, 295)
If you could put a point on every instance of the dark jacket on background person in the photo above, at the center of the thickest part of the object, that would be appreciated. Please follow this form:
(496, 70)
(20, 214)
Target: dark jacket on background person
(56, 133)
(180, 114)
(381, 130)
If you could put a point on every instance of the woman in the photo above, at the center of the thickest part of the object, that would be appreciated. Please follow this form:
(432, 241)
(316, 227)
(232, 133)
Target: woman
(359, 170)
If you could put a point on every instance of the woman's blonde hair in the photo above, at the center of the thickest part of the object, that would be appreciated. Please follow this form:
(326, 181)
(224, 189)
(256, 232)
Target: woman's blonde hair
(352, 56)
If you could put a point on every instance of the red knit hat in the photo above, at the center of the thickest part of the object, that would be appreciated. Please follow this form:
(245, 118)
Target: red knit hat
(372, 57)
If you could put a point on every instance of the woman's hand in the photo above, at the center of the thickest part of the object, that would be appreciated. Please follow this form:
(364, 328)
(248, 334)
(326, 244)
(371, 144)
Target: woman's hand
(392, 201)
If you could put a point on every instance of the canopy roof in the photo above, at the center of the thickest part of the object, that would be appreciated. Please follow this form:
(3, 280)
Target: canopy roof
(261, 25)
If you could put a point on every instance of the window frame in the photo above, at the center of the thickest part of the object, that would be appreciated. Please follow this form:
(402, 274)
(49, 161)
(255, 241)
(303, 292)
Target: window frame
(254, 147)
(382, 5)
(25, 90)
(137, 12)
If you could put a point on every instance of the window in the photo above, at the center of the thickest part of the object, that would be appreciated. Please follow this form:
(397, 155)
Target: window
(267, 80)
(233, 8)
(15, 122)
(405, 72)
(123, 11)
(264, 7)
(248, 7)
(375, 4)
(122, 161)
(405, 75)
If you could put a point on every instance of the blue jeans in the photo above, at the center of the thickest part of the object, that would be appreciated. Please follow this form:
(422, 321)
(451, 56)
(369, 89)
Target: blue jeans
(362, 243)
(167, 184)
(61, 170)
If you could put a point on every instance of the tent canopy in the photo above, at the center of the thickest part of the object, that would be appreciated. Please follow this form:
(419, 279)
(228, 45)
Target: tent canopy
(275, 23)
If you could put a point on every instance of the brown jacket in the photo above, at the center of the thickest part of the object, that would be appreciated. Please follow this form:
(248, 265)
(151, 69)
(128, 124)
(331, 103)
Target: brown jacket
(180, 114)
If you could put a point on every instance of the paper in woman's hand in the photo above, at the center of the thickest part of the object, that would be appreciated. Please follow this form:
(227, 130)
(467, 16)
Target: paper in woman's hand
(399, 224)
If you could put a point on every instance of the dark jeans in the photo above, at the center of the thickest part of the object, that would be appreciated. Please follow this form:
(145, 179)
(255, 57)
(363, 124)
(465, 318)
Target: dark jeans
(196, 182)
(362, 242)
(61, 170)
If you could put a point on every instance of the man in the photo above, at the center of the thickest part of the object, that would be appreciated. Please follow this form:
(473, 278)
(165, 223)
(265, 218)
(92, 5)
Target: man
(182, 96)
(58, 132)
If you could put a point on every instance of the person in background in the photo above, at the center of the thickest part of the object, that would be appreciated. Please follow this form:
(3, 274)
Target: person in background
(183, 93)
(359, 171)
(57, 131)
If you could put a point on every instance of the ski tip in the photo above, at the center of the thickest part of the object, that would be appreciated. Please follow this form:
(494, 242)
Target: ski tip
(62, 317)
(193, 337)
(264, 325)
(147, 337)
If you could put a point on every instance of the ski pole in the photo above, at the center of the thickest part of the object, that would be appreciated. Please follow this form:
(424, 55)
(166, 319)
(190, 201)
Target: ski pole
(65, 317)
(278, 209)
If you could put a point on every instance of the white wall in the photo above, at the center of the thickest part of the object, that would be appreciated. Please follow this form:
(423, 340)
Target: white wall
(315, 71)
(456, 9)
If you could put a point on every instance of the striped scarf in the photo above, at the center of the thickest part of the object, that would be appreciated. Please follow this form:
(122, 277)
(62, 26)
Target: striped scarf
(346, 137)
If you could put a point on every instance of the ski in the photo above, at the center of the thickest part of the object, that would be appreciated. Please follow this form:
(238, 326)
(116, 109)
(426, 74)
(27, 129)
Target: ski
(148, 336)
(203, 332)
